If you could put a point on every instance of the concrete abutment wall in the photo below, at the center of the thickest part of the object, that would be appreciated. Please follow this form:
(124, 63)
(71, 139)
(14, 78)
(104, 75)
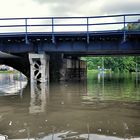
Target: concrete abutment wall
(73, 69)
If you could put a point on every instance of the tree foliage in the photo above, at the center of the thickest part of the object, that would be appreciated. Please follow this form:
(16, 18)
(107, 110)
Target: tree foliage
(122, 64)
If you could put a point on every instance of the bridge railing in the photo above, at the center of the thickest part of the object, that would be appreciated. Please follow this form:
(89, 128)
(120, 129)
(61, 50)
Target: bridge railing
(55, 25)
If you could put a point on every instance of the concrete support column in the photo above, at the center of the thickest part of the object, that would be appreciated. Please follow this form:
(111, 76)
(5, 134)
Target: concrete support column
(39, 67)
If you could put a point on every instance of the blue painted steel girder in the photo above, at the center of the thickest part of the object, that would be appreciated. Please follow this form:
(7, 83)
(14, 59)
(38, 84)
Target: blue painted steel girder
(99, 44)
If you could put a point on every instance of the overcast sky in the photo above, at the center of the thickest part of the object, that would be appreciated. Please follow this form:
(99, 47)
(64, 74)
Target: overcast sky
(33, 8)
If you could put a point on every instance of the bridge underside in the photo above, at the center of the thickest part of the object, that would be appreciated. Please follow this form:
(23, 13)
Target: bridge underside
(42, 67)
(65, 46)
(111, 43)
(20, 63)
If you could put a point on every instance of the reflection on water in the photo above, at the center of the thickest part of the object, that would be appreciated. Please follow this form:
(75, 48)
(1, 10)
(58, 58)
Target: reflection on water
(38, 97)
(11, 84)
(105, 107)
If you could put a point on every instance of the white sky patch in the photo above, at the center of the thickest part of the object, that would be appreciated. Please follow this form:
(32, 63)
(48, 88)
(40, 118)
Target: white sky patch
(22, 8)
(91, 8)
(54, 8)
(35, 8)
(120, 6)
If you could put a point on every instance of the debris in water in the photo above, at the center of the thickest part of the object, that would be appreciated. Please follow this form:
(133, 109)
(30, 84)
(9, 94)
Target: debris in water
(10, 123)
(99, 129)
(22, 130)
(41, 133)
(125, 126)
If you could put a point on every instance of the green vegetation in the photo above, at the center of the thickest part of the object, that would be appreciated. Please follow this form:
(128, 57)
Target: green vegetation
(116, 64)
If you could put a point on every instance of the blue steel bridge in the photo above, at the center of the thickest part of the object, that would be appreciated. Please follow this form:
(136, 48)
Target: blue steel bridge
(68, 36)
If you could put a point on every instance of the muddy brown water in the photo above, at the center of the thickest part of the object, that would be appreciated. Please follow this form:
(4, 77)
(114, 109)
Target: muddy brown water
(104, 107)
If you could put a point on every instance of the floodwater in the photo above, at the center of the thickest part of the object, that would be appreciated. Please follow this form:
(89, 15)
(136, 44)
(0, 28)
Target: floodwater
(105, 107)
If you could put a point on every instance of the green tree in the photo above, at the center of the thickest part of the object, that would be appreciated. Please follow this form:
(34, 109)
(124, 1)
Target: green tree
(122, 64)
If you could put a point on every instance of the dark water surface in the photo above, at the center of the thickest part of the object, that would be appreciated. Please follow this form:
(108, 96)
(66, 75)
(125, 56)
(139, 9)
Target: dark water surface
(105, 107)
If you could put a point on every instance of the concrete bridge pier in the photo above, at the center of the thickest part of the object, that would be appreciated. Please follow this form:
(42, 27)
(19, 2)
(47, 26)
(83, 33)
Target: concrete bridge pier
(39, 67)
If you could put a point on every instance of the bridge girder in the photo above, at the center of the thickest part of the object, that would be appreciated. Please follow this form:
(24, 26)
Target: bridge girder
(99, 44)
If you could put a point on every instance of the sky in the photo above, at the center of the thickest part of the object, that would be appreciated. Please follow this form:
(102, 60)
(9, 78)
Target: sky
(35, 8)
(60, 8)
